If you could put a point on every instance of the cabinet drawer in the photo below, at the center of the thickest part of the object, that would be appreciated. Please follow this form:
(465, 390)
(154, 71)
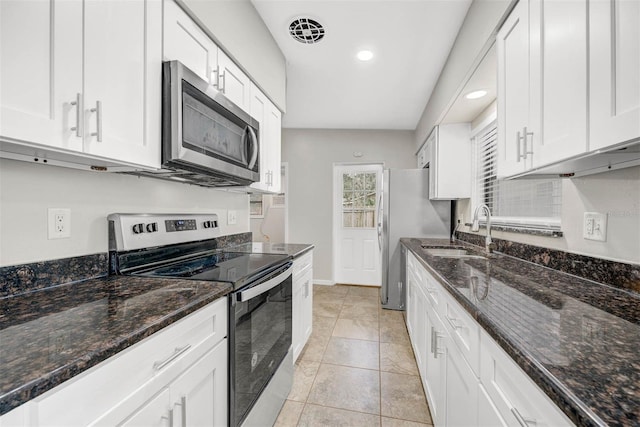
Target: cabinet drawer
(516, 397)
(159, 357)
(433, 290)
(302, 263)
(464, 331)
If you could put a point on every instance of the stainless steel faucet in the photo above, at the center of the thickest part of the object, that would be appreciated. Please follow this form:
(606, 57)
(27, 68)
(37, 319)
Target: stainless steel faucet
(488, 243)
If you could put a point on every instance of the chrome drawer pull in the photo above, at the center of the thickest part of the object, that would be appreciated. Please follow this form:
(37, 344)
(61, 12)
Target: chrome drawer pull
(78, 104)
(98, 111)
(177, 352)
(521, 420)
(454, 323)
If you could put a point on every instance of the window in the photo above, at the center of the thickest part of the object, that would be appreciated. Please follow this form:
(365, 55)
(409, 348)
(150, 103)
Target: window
(528, 203)
(359, 199)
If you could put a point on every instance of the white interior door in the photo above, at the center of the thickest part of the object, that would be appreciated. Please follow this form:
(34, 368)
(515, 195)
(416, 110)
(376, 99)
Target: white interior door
(355, 208)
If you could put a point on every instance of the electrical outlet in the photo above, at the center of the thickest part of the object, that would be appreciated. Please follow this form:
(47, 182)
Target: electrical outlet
(595, 226)
(232, 217)
(59, 223)
(461, 219)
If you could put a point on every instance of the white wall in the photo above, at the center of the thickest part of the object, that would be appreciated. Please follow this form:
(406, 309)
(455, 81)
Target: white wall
(28, 190)
(237, 26)
(616, 193)
(311, 155)
(479, 26)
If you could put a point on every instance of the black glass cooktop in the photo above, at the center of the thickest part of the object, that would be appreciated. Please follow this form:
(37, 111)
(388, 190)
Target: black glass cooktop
(232, 267)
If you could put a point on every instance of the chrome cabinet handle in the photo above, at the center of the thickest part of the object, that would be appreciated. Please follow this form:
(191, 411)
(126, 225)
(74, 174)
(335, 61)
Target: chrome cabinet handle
(521, 420)
(454, 322)
(98, 111)
(183, 409)
(518, 139)
(78, 104)
(170, 417)
(177, 352)
(306, 289)
(525, 134)
(222, 82)
(216, 80)
(437, 352)
(433, 345)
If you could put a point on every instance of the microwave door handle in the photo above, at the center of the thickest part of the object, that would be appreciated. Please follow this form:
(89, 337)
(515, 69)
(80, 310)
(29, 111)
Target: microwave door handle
(251, 135)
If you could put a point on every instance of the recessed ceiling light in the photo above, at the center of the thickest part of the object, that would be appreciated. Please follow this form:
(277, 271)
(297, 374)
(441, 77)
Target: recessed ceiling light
(476, 94)
(364, 55)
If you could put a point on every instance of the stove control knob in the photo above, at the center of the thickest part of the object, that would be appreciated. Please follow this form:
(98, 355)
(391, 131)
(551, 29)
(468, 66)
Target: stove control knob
(138, 228)
(152, 227)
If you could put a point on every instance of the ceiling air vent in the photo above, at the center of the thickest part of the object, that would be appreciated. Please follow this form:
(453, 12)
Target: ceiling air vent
(306, 30)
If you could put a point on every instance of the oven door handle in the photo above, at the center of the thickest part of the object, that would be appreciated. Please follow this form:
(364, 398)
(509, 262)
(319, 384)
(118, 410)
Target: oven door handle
(265, 286)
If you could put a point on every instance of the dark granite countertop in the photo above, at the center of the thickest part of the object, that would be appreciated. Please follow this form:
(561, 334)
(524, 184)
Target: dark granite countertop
(47, 336)
(578, 340)
(292, 249)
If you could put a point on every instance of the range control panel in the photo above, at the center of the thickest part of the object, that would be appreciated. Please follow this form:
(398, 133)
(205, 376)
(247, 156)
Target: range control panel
(138, 231)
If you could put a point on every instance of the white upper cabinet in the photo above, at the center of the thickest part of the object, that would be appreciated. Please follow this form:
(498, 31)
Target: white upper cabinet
(123, 77)
(614, 60)
(185, 41)
(84, 77)
(41, 72)
(568, 81)
(449, 158)
(558, 110)
(235, 84)
(512, 44)
(269, 118)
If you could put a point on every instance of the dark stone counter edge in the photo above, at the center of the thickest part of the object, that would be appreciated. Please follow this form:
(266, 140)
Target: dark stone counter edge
(570, 405)
(30, 390)
(303, 251)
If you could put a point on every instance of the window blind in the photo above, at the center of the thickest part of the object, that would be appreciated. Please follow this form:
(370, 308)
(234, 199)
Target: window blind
(533, 203)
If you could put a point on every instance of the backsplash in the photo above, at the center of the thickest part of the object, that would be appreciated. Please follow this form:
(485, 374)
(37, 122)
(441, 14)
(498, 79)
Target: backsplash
(17, 279)
(617, 274)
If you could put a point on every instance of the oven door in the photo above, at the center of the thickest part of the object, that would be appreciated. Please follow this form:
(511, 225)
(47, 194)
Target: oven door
(206, 130)
(260, 337)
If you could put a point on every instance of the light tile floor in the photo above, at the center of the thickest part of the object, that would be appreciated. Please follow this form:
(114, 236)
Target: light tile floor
(358, 367)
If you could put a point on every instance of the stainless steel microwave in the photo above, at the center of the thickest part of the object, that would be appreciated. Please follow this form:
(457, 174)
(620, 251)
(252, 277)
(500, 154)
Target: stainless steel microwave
(206, 139)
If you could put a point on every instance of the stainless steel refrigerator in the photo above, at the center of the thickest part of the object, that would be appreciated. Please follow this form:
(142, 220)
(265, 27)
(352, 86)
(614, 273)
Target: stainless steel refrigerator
(406, 212)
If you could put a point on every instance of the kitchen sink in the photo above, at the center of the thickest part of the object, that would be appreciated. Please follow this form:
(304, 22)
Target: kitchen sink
(452, 253)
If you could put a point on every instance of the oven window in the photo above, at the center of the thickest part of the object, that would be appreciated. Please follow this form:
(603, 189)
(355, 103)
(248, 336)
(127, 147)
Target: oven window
(262, 339)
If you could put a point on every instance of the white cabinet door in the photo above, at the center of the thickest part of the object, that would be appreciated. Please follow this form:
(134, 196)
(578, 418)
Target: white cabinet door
(436, 373)
(307, 306)
(512, 44)
(450, 162)
(558, 112)
(155, 413)
(200, 393)
(259, 105)
(41, 72)
(274, 141)
(234, 83)
(461, 388)
(614, 60)
(122, 86)
(488, 414)
(184, 41)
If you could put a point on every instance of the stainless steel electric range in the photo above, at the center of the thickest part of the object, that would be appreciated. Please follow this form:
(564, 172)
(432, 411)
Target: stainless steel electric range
(260, 352)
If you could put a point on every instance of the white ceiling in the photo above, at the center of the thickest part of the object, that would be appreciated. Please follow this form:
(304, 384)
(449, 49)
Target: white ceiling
(327, 87)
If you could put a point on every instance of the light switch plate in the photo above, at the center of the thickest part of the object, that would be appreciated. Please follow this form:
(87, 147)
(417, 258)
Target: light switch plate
(595, 226)
(232, 217)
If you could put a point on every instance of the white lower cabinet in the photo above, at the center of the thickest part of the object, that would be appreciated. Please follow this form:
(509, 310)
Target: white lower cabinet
(467, 378)
(175, 377)
(302, 305)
